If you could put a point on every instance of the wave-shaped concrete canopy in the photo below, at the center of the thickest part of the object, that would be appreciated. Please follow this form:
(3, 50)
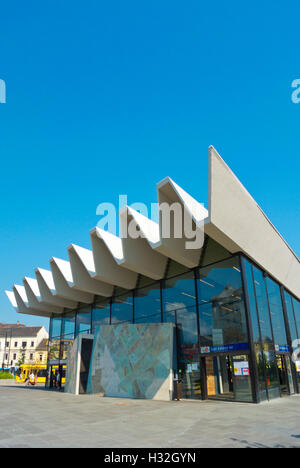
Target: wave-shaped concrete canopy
(233, 219)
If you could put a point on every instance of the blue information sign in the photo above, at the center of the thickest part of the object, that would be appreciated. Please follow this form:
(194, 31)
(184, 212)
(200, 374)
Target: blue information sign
(224, 348)
(282, 349)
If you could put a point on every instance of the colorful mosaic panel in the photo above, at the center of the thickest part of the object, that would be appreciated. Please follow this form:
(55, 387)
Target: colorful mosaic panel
(132, 361)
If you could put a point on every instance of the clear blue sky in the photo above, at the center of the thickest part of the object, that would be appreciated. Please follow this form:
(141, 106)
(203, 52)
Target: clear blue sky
(106, 98)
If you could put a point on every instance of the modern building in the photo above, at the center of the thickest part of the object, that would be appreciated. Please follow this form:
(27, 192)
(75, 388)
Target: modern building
(18, 341)
(224, 318)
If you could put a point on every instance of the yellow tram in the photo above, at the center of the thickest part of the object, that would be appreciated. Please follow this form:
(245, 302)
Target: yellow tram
(39, 370)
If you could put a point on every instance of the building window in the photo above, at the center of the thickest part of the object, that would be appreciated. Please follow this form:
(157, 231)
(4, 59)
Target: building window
(14, 357)
(41, 357)
(296, 305)
(55, 327)
(31, 357)
(16, 344)
(7, 344)
(101, 314)
(32, 344)
(221, 305)
(291, 316)
(147, 304)
(122, 309)
(24, 344)
(83, 320)
(68, 326)
(263, 338)
(276, 311)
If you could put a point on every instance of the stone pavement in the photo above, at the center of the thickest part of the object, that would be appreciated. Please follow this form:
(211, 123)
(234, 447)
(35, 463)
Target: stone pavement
(35, 417)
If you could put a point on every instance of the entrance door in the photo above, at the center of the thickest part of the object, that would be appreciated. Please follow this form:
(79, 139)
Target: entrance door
(219, 377)
(285, 374)
(189, 374)
(228, 377)
(86, 352)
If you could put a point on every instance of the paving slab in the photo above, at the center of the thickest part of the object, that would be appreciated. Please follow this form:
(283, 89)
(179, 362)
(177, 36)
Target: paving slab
(36, 417)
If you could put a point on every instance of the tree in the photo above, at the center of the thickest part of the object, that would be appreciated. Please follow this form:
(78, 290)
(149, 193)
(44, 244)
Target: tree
(21, 358)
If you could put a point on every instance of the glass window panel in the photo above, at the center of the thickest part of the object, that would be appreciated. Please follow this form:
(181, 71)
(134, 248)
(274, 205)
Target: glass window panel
(187, 329)
(261, 373)
(276, 311)
(122, 309)
(271, 371)
(252, 302)
(147, 304)
(179, 292)
(179, 304)
(222, 279)
(221, 304)
(262, 304)
(241, 381)
(187, 349)
(55, 327)
(101, 314)
(296, 305)
(290, 315)
(65, 344)
(53, 350)
(68, 327)
(83, 320)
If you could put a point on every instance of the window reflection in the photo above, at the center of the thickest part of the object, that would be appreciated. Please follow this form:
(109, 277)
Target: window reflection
(66, 343)
(221, 304)
(262, 305)
(122, 309)
(147, 304)
(55, 327)
(276, 311)
(290, 315)
(179, 292)
(101, 314)
(83, 320)
(68, 325)
(54, 349)
(296, 305)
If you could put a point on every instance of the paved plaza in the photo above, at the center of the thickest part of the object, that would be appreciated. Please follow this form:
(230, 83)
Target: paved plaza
(35, 417)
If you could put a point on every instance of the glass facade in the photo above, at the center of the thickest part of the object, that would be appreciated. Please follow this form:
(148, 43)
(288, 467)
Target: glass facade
(296, 343)
(221, 304)
(122, 309)
(179, 307)
(83, 320)
(230, 320)
(147, 304)
(276, 311)
(101, 314)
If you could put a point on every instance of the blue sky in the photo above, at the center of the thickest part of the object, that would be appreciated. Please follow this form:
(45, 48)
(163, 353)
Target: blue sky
(108, 98)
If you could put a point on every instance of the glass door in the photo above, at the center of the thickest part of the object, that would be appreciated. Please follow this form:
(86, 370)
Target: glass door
(228, 377)
(285, 374)
(189, 375)
(219, 377)
(282, 375)
(289, 374)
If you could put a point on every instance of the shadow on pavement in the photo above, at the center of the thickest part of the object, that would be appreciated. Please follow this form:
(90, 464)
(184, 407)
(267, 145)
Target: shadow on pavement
(259, 445)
